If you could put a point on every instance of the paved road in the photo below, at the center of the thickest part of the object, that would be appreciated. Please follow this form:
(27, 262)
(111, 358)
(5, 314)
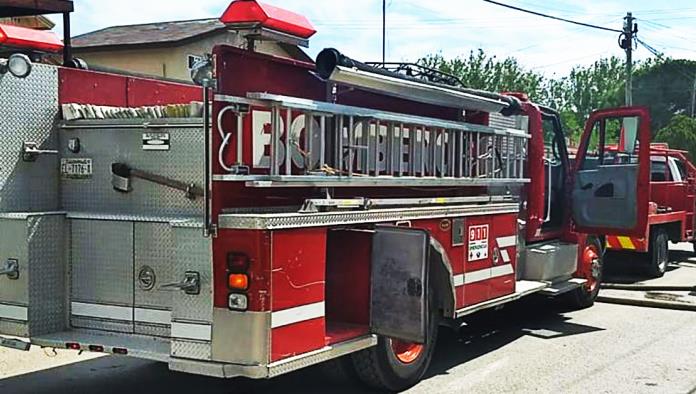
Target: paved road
(529, 347)
(526, 348)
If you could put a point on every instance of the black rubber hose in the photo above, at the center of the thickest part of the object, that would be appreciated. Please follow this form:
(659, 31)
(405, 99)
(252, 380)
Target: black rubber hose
(638, 287)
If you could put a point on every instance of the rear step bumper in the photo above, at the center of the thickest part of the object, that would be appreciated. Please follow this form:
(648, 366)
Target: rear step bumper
(158, 349)
(140, 346)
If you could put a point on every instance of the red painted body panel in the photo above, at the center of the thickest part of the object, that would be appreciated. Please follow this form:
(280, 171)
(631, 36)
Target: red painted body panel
(256, 245)
(348, 277)
(294, 339)
(504, 226)
(97, 88)
(298, 269)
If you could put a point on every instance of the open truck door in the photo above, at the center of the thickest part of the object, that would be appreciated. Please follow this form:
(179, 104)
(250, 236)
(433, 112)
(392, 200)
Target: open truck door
(611, 183)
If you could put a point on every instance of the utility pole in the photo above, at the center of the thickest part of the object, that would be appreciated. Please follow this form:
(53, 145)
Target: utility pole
(384, 32)
(629, 31)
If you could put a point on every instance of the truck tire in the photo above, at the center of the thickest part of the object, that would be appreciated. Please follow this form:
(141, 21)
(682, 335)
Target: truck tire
(592, 260)
(394, 365)
(658, 253)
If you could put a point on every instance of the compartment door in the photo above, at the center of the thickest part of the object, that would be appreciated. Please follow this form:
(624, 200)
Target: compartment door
(611, 183)
(399, 283)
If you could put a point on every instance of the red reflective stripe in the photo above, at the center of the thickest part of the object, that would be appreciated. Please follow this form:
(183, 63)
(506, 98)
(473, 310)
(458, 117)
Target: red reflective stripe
(613, 242)
(23, 37)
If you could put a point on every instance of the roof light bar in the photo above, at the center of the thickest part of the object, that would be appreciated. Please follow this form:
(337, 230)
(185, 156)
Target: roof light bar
(24, 38)
(246, 12)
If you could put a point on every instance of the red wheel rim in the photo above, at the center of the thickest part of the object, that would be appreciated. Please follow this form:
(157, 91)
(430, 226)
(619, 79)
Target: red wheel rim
(590, 256)
(406, 352)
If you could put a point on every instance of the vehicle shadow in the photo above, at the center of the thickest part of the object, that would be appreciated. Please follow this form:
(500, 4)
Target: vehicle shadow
(484, 332)
(631, 268)
(490, 330)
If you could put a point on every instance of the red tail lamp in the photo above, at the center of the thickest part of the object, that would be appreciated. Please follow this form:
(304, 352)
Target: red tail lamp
(22, 37)
(242, 12)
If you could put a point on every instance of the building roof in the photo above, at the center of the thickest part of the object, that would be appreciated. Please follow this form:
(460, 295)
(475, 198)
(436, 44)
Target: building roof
(147, 34)
(34, 7)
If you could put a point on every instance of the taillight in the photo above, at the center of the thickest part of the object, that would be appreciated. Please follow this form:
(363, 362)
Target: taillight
(238, 281)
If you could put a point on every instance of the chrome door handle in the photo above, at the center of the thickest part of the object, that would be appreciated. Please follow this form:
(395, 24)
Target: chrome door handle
(31, 151)
(11, 269)
(191, 284)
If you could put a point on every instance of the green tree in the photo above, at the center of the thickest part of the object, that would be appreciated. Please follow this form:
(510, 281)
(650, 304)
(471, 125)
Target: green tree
(666, 87)
(480, 71)
(680, 133)
(586, 89)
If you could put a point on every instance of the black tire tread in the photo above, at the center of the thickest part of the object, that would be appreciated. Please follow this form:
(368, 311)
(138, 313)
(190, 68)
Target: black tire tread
(653, 266)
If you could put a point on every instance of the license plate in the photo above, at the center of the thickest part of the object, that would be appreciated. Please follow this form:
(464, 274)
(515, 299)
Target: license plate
(76, 168)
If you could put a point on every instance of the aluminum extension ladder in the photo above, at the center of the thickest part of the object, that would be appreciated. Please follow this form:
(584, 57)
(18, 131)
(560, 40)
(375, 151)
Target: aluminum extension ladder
(352, 146)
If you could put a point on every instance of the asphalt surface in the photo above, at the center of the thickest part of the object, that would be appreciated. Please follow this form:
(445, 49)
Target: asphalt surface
(533, 346)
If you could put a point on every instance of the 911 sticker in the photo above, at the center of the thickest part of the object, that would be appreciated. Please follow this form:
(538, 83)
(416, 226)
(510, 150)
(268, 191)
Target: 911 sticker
(478, 242)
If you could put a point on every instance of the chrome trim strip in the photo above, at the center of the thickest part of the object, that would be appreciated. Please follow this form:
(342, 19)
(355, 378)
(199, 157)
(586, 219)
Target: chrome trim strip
(113, 312)
(14, 312)
(199, 332)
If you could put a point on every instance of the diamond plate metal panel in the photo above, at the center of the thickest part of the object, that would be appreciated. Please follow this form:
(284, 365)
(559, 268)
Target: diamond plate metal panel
(183, 162)
(154, 250)
(192, 349)
(192, 252)
(29, 112)
(101, 267)
(47, 274)
(13, 245)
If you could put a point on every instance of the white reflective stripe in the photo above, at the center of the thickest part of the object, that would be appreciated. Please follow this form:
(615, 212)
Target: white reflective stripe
(14, 312)
(102, 311)
(297, 314)
(485, 274)
(505, 255)
(200, 332)
(505, 242)
(153, 316)
(458, 280)
(477, 276)
(502, 270)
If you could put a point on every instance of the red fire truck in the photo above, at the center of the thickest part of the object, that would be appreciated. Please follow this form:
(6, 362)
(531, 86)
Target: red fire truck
(670, 215)
(302, 213)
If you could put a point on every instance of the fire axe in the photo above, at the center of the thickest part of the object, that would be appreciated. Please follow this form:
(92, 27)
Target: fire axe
(122, 174)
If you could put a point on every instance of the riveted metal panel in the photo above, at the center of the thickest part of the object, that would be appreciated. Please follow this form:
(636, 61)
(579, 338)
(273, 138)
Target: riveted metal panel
(154, 251)
(47, 274)
(102, 268)
(29, 112)
(184, 162)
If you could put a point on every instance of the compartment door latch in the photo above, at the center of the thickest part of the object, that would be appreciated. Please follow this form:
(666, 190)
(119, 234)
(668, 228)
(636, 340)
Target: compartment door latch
(191, 284)
(11, 269)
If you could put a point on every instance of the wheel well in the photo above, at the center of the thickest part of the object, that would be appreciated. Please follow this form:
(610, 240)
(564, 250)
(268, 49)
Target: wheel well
(441, 279)
(673, 230)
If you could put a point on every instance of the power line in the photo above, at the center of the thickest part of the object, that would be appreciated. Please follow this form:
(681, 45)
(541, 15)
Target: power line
(553, 17)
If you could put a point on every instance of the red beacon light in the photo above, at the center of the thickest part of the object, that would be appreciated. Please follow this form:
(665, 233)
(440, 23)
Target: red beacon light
(29, 39)
(268, 22)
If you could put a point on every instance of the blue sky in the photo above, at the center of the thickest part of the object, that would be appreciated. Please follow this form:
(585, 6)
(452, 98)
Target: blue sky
(451, 27)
